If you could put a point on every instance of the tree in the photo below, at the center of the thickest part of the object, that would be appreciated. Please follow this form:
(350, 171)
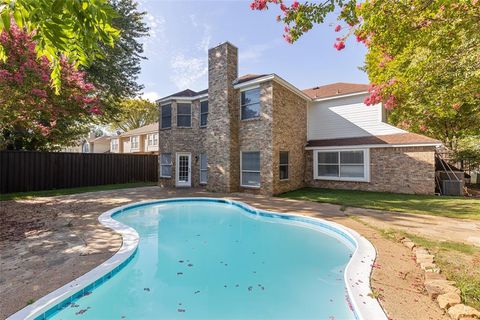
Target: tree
(423, 57)
(61, 29)
(135, 113)
(116, 74)
(32, 115)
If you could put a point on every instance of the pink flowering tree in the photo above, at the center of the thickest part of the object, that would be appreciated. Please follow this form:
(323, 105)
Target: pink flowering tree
(32, 115)
(423, 57)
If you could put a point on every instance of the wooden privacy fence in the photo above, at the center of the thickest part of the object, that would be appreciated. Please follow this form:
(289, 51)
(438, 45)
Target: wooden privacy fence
(32, 171)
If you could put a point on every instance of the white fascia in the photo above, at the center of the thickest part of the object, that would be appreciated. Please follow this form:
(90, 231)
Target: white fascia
(272, 77)
(371, 146)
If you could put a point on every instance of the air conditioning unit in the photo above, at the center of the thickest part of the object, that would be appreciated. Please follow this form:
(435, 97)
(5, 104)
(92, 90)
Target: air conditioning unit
(452, 187)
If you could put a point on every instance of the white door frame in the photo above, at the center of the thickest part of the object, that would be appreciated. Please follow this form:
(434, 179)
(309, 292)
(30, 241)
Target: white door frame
(179, 183)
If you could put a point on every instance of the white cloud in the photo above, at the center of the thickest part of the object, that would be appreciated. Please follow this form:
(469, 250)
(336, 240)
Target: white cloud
(151, 96)
(255, 52)
(204, 43)
(187, 71)
(156, 25)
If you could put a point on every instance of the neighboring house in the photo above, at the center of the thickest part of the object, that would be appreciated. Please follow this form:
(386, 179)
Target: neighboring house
(259, 133)
(142, 140)
(99, 144)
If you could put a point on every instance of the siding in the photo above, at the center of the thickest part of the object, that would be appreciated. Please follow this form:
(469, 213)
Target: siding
(345, 118)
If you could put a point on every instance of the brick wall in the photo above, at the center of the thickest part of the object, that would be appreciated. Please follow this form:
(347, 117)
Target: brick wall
(397, 170)
(289, 134)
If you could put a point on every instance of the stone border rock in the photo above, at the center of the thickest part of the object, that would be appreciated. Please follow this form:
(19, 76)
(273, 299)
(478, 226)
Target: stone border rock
(438, 287)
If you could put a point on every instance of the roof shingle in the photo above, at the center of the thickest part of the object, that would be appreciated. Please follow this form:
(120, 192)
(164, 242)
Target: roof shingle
(393, 139)
(335, 89)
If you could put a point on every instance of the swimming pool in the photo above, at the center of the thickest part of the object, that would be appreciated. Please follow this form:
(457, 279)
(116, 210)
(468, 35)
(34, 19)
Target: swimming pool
(220, 259)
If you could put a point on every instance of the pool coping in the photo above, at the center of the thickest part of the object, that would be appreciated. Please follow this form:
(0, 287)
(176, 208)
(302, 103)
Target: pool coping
(356, 275)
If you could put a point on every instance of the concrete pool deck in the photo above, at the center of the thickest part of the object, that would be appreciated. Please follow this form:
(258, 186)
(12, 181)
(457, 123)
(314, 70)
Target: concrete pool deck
(47, 242)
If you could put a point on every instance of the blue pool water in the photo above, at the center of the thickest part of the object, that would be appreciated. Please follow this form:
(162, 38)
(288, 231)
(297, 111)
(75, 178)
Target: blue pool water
(212, 260)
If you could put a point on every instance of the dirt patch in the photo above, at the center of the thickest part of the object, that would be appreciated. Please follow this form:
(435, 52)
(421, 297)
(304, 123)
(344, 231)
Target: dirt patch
(47, 242)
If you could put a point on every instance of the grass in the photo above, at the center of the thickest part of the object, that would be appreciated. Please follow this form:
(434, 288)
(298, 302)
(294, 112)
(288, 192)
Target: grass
(60, 192)
(454, 207)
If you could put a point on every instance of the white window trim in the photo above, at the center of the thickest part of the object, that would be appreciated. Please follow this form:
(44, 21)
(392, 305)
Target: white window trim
(287, 165)
(114, 144)
(163, 164)
(152, 140)
(200, 120)
(241, 171)
(184, 114)
(366, 165)
(259, 101)
(138, 143)
(201, 170)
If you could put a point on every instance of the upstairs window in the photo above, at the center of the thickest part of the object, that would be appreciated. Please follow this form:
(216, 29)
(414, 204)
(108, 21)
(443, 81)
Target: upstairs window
(348, 165)
(283, 163)
(184, 115)
(250, 169)
(203, 168)
(203, 113)
(166, 165)
(114, 144)
(166, 116)
(153, 139)
(250, 104)
(134, 142)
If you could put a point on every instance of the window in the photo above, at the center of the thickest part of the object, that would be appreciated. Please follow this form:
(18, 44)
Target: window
(349, 165)
(184, 115)
(166, 165)
(283, 165)
(250, 104)
(203, 113)
(153, 139)
(166, 116)
(134, 142)
(250, 169)
(203, 168)
(114, 144)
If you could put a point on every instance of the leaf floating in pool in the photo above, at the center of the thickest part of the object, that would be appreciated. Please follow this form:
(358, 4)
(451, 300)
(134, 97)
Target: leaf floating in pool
(190, 265)
(146, 289)
(181, 310)
(250, 288)
(198, 235)
(123, 317)
(179, 273)
(225, 286)
(82, 311)
(263, 288)
(73, 305)
(253, 252)
(237, 285)
(254, 272)
(180, 261)
(198, 291)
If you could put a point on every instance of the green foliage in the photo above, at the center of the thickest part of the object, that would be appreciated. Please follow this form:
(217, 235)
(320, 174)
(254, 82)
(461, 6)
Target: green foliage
(68, 28)
(134, 113)
(116, 74)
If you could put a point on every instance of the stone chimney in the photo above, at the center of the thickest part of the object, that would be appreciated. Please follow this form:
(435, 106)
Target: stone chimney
(222, 129)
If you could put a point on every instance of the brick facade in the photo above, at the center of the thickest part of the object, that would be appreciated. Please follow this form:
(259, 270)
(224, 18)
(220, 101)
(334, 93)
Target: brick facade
(397, 170)
(281, 126)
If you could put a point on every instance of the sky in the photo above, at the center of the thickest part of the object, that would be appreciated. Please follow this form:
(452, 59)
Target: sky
(182, 31)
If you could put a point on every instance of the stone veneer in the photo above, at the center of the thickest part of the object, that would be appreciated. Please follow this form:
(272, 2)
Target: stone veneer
(397, 170)
(222, 138)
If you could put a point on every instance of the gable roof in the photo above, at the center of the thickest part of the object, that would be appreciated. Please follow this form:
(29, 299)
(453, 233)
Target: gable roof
(248, 77)
(153, 127)
(397, 139)
(335, 89)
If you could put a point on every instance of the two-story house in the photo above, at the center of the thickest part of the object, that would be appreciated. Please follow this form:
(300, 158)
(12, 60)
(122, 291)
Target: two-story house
(143, 140)
(259, 133)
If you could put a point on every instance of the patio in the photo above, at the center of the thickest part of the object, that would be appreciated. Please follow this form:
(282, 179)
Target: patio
(47, 242)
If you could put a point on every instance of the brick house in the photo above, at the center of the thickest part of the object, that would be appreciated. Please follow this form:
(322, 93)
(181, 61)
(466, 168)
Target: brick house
(261, 134)
(143, 140)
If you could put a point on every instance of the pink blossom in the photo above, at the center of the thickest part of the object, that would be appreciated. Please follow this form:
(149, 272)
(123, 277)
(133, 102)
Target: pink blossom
(283, 7)
(39, 93)
(340, 45)
(338, 28)
(258, 5)
(95, 110)
(288, 38)
(295, 5)
(423, 127)
(279, 18)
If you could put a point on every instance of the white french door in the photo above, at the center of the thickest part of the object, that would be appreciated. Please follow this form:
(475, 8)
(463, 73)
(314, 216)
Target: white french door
(183, 172)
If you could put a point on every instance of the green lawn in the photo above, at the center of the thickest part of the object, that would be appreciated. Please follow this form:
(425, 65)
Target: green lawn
(456, 207)
(59, 192)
